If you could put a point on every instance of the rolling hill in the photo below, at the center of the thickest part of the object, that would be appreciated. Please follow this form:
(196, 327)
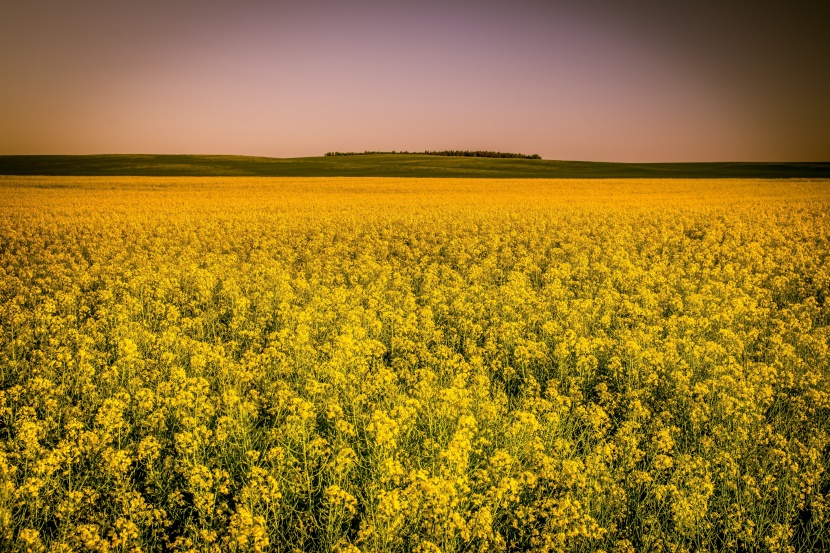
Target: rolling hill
(389, 165)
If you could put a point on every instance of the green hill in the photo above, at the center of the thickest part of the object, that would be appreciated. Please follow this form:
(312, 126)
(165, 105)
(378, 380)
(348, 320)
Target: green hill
(390, 165)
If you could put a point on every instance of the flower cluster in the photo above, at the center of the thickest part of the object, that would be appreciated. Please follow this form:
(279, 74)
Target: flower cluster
(414, 365)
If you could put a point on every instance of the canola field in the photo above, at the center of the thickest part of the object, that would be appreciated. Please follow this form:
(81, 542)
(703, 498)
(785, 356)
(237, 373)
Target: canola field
(424, 365)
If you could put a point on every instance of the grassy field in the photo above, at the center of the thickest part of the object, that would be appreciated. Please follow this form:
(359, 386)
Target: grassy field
(395, 365)
(391, 166)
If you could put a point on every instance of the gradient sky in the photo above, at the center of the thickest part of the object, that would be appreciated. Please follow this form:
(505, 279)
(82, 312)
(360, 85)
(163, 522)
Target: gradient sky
(589, 80)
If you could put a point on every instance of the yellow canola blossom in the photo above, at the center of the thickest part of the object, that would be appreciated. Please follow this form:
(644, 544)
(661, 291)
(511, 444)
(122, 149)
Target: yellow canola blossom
(395, 365)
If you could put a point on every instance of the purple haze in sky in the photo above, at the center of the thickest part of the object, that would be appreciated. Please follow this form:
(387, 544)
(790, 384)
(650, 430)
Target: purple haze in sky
(610, 81)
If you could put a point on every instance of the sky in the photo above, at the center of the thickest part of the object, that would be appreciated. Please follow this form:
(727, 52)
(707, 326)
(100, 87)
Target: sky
(636, 81)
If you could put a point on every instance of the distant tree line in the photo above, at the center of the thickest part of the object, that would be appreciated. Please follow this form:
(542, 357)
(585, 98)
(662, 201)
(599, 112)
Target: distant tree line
(453, 153)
